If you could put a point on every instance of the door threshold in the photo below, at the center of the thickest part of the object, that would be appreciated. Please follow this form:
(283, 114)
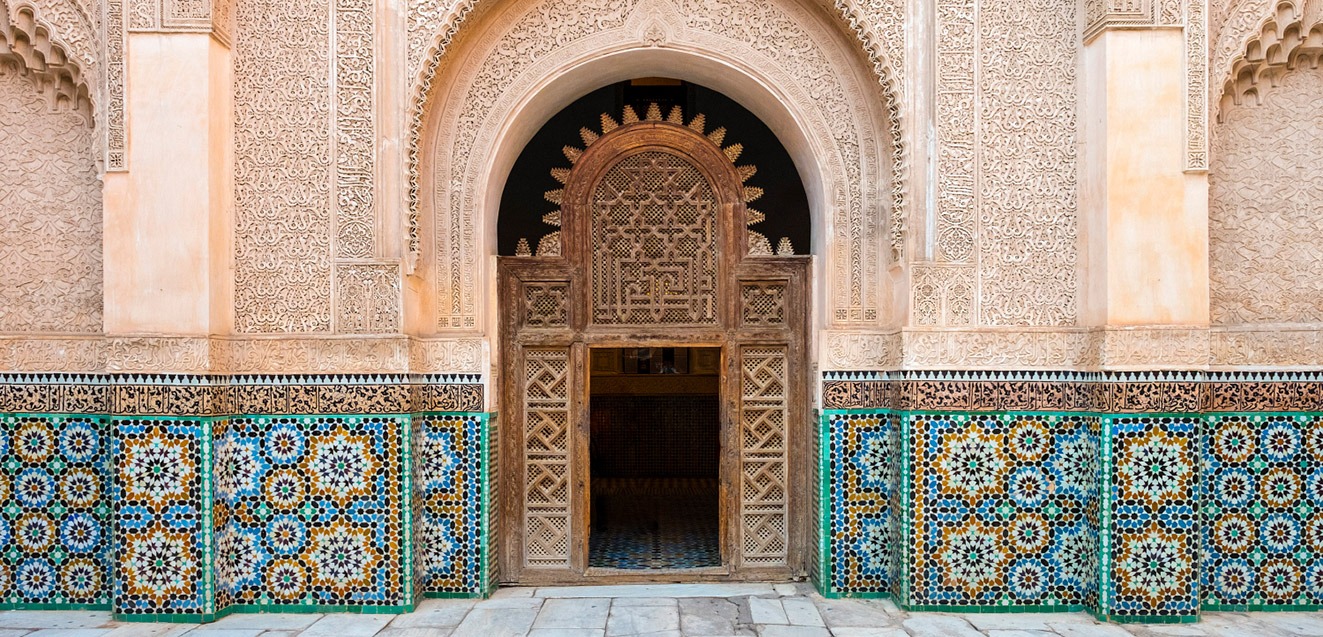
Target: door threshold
(649, 573)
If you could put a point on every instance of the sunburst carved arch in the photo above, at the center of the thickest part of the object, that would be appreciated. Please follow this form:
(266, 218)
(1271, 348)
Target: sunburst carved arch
(878, 27)
(549, 245)
(808, 82)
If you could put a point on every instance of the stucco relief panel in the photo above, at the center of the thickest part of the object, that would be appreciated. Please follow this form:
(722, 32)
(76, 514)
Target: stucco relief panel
(50, 214)
(1028, 219)
(1006, 222)
(879, 25)
(283, 171)
(1266, 190)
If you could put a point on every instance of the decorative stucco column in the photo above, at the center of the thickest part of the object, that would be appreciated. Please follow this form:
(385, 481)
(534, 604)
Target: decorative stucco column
(167, 216)
(1145, 214)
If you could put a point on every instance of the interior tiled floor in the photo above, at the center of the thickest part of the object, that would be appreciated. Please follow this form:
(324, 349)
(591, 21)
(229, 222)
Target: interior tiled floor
(654, 524)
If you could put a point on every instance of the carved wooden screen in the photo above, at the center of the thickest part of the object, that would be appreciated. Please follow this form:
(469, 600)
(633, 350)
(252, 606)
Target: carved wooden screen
(654, 227)
(652, 247)
(764, 403)
(547, 457)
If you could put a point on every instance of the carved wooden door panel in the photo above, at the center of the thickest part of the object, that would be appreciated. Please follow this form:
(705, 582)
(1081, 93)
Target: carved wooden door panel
(653, 250)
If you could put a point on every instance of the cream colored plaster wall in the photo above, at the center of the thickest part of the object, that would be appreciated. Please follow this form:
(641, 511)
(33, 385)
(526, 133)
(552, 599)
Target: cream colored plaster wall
(158, 215)
(221, 184)
(1157, 236)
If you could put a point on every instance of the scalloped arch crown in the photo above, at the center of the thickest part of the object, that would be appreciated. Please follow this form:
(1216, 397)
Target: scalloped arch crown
(845, 104)
(53, 40)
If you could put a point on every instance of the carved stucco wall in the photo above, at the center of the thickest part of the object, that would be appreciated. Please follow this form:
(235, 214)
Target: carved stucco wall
(879, 26)
(1006, 230)
(50, 212)
(783, 40)
(1266, 266)
(307, 258)
(1266, 191)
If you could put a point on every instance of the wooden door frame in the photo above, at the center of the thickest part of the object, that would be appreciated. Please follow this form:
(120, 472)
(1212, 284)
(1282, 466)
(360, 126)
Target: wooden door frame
(575, 333)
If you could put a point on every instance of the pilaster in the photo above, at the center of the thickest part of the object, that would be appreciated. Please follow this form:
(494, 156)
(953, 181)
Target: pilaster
(166, 217)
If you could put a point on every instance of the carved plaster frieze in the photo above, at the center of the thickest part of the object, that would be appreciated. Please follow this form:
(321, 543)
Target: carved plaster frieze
(1009, 349)
(158, 354)
(1268, 347)
(1155, 348)
(312, 355)
(146, 354)
(448, 356)
(52, 353)
(852, 351)
(1104, 14)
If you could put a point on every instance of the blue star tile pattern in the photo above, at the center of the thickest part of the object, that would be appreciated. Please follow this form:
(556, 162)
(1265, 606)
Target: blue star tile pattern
(54, 516)
(451, 451)
(863, 479)
(1004, 510)
(161, 495)
(1262, 517)
(310, 511)
(1151, 467)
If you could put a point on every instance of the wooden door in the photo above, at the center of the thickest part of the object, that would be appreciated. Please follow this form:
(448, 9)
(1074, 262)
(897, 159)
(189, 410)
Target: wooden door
(653, 251)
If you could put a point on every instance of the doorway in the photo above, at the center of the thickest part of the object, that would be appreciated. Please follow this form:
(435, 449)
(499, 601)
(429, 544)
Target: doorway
(652, 247)
(655, 458)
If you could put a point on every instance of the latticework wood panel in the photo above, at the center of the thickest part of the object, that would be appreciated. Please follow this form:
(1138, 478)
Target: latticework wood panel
(547, 458)
(654, 231)
(763, 483)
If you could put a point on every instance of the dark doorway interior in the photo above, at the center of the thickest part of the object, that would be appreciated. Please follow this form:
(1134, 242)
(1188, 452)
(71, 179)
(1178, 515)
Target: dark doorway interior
(656, 449)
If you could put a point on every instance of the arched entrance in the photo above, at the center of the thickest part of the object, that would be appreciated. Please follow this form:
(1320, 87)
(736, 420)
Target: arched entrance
(654, 251)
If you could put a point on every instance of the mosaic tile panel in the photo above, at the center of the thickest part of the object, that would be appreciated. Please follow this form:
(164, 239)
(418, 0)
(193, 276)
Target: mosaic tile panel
(54, 520)
(162, 499)
(863, 473)
(451, 455)
(1262, 511)
(310, 511)
(1150, 549)
(1004, 509)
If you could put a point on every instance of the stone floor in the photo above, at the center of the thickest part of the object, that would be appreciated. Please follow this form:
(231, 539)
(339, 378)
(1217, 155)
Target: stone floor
(761, 610)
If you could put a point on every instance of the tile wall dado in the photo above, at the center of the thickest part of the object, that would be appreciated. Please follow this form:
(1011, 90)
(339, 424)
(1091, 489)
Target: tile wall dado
(187, 498)
(1140, 497)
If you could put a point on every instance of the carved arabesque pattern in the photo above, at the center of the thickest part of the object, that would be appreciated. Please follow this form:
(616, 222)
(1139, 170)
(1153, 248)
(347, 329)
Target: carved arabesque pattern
(50, 214)
(282, 172)
(547, 458)
(1266, 190)
(879, 26)
(1028, 218)
(763, 465)
(368, 298)
(52, 41)
(355, 133)
(654, 219)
